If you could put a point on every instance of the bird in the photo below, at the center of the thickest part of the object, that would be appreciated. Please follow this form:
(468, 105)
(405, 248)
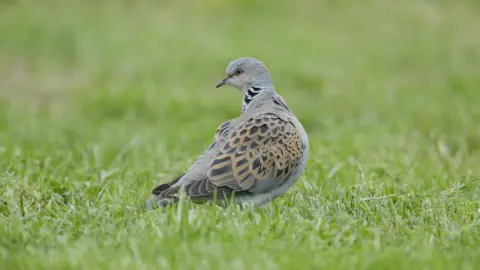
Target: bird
(253, 158)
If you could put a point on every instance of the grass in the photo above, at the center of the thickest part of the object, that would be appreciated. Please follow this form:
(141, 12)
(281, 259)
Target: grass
(102, 100)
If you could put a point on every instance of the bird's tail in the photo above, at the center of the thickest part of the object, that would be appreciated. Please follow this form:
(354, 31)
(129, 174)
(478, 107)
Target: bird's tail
(158, 202)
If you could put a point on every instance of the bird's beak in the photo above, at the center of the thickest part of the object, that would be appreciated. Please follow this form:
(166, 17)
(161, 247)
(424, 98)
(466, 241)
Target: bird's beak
(222, 82)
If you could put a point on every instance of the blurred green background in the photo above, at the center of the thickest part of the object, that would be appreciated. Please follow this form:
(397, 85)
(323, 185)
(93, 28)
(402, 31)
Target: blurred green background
(101, 100)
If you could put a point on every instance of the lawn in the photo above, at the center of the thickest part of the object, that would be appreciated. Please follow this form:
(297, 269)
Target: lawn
(100, 101)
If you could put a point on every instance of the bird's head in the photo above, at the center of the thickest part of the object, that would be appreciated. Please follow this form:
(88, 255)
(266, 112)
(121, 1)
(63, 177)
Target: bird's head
(245, 72)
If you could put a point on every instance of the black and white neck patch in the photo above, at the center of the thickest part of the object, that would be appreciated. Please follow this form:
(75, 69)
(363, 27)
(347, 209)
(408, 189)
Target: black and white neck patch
(250, 95)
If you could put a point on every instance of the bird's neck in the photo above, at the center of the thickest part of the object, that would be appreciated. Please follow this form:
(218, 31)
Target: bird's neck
(252, 92)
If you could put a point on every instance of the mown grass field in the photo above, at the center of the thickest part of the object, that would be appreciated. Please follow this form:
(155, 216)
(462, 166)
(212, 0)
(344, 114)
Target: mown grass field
(102, 100)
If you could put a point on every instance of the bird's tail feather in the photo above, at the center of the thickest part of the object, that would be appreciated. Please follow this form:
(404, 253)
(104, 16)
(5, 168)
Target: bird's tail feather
(158, 202)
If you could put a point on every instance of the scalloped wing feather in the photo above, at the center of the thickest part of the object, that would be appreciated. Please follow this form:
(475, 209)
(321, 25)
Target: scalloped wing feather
(265, 148)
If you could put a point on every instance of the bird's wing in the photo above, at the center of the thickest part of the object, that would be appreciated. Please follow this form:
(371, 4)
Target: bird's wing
(200, 167)
(258, 154)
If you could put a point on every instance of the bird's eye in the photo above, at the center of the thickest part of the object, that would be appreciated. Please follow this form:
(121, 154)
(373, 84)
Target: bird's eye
(238, 71)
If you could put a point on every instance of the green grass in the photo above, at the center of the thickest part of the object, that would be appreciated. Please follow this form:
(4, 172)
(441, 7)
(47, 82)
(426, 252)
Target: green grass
(102, 100)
